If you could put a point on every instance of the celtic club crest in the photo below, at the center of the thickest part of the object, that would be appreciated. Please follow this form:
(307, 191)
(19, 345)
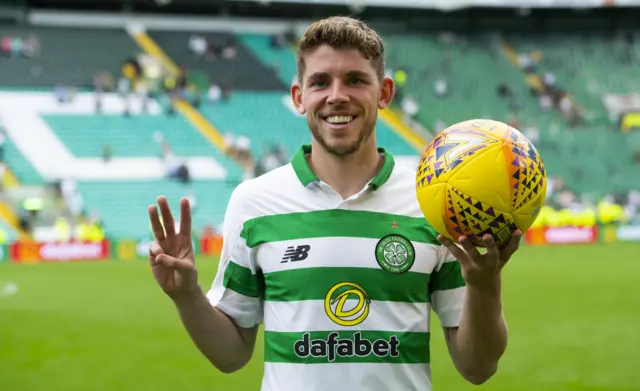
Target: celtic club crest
(395, 253)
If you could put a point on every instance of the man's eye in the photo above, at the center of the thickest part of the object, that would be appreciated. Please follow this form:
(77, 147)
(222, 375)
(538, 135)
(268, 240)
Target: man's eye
(319, 83)
(355, 80)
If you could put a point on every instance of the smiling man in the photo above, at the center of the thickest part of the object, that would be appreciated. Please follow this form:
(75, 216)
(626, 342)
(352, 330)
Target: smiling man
(332, 252)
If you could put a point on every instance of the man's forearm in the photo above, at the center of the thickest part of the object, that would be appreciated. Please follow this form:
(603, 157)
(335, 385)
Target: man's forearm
(481, 338)
(215, 335)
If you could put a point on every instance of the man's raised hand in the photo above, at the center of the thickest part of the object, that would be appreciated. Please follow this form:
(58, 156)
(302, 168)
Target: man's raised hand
(171, 254)
(482, 270)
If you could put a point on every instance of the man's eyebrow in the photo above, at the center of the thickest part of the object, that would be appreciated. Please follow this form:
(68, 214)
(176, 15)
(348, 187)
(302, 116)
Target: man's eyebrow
(316, 76)
(360, 74)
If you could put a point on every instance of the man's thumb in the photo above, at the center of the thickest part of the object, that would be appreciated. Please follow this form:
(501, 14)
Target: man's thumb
(174, 263)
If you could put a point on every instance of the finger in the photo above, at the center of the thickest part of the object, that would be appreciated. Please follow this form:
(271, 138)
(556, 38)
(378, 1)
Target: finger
(456, 251)
(156, 226)
(470, 249)
(155, 249)
(152, 259)
(493, 254)
(185, 217)
(512, 246)
(174, 263)
(167, 216)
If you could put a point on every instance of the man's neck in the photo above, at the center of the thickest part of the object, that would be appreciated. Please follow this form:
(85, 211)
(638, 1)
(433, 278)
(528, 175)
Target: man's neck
(347, 175)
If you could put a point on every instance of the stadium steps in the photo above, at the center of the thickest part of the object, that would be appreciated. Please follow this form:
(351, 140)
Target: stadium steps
(199, 122)
(10, 222)
(13, 158)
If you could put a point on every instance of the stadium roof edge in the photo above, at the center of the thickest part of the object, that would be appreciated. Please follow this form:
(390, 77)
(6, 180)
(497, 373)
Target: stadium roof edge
(173, 22)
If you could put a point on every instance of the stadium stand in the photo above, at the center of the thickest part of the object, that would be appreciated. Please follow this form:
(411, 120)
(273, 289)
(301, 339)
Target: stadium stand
(120, 146)
(588, 65)
(20, 166)
(272, 51)
(62, 56)
(115, 199)
(226, 61)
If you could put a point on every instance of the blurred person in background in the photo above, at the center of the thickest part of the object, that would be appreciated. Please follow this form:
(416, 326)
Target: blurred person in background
(340, 89)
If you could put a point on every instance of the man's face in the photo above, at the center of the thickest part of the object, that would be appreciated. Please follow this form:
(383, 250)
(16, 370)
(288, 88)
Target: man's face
(340, 95)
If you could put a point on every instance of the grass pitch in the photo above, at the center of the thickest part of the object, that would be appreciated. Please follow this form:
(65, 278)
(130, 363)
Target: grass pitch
(104, 326)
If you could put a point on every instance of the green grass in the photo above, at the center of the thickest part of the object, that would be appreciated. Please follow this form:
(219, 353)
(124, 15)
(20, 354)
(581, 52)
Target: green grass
(572, 313)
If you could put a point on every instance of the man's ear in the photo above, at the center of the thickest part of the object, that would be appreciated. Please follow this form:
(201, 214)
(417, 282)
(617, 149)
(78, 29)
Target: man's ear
(387, 91)
(296, 96)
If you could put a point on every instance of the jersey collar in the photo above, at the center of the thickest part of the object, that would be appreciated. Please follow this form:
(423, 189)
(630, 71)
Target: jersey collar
(307, 176)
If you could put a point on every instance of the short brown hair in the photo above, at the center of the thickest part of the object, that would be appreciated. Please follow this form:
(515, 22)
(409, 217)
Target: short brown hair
(341, 32)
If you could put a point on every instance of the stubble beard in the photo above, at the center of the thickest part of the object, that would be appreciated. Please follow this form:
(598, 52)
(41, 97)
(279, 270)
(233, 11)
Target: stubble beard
(341, 151)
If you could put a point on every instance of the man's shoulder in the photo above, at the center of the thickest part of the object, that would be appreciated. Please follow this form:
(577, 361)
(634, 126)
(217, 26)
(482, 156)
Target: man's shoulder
(402, 178)
(267, 182)
(257, 196)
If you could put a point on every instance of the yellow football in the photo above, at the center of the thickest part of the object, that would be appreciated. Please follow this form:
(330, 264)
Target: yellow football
(481, 177)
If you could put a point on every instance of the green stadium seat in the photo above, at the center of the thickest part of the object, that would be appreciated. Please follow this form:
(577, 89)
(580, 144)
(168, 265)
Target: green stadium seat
(123, 204)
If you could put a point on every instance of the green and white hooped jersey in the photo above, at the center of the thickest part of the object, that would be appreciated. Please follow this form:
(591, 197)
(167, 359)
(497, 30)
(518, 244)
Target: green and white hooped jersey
(344, 288)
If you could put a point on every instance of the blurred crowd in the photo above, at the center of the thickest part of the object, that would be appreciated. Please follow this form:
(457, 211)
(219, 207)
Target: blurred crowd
(564, 207)
(20, 47)
(145, 78)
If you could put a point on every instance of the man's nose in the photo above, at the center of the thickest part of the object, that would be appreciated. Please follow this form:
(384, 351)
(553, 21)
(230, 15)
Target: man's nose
(337, 93)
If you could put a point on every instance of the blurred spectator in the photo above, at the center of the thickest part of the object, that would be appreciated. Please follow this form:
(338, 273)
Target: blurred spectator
(15, 47)
(277, 41)
(226, 93)
(174, 166)
(214, 94)
(545, 102)
(198, 44)
(410, 107)
(439, 126)
(503, 90)
(532, 133)
(107, 153)
(290, 35)
(64, 94)
(230, 50)
(71, 196)
(549, 80)
(441, 88)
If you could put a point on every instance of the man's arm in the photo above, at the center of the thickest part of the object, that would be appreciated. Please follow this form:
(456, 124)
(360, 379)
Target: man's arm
(227, 346)
(480, 340)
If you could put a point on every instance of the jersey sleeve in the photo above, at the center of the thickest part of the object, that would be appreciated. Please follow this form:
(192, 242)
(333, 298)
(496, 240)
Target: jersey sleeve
(447, 289)
(237, 288)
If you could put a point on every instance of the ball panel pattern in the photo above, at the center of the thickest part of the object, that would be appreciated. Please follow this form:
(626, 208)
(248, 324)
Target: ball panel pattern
(527, 173)
(526, 215)
(485, 179)
(495, 129)
(473, 218)
(448, 151)
(432, 201)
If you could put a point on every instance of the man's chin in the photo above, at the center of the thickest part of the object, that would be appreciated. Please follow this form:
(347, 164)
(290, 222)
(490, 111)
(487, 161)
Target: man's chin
(341, 148)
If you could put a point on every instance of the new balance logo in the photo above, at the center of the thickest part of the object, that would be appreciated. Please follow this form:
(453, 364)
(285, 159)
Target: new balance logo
(297, 253)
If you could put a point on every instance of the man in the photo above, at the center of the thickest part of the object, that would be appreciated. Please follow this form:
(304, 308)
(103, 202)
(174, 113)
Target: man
(332, 253)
